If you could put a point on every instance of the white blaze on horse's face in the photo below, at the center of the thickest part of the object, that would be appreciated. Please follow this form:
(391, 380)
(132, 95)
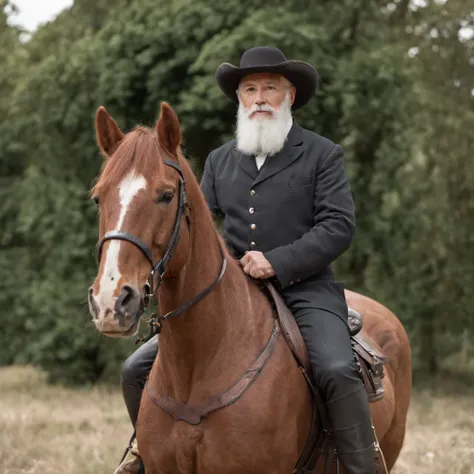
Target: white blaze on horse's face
(107, 291)
(129, 190)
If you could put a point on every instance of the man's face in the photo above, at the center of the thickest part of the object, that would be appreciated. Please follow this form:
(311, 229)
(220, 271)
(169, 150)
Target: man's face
(264, 115)
(264, 89)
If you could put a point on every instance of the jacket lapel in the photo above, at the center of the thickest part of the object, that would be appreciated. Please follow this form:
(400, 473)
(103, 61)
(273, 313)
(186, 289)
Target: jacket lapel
(247, 163)
(291, 151)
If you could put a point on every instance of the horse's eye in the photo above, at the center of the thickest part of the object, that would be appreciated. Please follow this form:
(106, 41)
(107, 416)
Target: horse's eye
(165, 197)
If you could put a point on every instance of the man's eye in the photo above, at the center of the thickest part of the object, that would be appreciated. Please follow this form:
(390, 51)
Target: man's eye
(165, 197)
(96, 200)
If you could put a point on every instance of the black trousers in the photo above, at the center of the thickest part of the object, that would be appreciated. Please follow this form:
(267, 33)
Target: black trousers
(327, 340)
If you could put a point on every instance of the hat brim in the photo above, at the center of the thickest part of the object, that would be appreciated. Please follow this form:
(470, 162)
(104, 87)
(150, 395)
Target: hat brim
(301, 74)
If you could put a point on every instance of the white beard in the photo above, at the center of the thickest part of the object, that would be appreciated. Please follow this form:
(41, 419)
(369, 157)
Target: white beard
(262, 135)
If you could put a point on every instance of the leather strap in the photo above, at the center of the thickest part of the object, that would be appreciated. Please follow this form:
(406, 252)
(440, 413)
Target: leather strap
(290, 329)
(195, 414)
(156, 322)
(200, 296)
(174, 237)
(314, 447)
(122, 235)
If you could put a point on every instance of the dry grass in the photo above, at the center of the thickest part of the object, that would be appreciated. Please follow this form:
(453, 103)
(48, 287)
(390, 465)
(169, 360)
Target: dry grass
(440, 434)
(51, 430)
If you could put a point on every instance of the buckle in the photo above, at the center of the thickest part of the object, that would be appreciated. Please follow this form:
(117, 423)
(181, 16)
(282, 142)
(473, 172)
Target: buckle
(155, 324)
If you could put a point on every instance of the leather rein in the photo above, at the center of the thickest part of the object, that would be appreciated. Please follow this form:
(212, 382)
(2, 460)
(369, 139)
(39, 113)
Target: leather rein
(155, 278)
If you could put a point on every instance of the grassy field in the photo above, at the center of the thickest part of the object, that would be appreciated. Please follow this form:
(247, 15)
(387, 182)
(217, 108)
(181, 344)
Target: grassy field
(51, 430)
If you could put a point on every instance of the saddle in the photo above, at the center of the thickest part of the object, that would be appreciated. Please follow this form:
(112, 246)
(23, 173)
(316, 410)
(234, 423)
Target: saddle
(368, 358)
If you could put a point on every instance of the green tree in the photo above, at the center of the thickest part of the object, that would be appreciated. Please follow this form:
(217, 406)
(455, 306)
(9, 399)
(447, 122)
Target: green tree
(12, 164)
(432, 228)
(376, 98)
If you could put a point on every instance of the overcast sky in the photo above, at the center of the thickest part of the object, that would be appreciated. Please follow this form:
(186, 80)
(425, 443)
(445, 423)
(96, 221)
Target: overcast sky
(34, 12)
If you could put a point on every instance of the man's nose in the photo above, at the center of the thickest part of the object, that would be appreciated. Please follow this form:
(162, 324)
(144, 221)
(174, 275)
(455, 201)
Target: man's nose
(260, 98)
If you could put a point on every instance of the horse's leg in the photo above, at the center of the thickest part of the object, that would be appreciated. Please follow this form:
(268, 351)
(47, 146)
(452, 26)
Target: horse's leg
(390, 414)
(392, 442)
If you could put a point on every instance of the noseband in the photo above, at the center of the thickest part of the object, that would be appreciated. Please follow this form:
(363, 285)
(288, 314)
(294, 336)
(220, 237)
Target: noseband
(155, 278)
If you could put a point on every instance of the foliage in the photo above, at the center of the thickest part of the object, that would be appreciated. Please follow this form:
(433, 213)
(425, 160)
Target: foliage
(407, 151)
(432, 229)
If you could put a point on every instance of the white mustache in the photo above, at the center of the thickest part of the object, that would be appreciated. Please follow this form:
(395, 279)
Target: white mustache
(260, 108)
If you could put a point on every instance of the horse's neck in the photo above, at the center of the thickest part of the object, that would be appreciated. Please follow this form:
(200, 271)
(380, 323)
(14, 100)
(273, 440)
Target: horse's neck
(215, 336)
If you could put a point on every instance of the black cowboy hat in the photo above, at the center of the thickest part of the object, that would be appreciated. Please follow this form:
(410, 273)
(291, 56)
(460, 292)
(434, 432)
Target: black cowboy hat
(268, 59)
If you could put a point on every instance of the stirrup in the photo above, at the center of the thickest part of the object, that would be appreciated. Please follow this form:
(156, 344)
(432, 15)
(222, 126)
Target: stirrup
(379, 457)
(131, 462)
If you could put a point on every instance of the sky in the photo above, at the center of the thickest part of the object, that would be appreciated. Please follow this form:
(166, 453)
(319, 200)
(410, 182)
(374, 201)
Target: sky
(34, 12)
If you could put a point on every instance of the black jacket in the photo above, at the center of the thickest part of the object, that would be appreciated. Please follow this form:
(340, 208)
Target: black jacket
(297, 209)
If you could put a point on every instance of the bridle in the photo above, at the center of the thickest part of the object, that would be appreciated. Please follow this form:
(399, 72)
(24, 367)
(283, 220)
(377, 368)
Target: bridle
(155, 278)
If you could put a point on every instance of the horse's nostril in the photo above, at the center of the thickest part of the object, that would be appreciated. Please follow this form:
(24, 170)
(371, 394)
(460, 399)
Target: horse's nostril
(126, 302)
(93, 307)
(128, 295)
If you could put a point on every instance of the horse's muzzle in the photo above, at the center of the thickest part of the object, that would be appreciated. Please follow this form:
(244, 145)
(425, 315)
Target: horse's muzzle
(119, 320)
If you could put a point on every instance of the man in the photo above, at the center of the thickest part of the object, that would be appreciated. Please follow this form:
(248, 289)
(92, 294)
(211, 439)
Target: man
(288, 214)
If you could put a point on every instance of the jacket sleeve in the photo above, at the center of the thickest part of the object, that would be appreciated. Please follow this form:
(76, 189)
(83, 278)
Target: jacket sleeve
(333, 230)
(208, 188)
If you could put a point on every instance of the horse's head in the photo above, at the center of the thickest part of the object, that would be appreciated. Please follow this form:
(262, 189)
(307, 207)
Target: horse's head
(141, 203)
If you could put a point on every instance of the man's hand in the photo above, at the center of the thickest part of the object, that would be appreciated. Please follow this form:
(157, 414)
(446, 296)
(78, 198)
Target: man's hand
(256, 265)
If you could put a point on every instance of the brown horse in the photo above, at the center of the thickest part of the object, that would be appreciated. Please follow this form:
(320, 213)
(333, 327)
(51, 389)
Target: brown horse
(150, 212)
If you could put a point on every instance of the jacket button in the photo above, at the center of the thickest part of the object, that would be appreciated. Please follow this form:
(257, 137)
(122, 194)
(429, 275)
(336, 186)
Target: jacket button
(253, 226)
(252, 192)
(252, 244)
(251, 210)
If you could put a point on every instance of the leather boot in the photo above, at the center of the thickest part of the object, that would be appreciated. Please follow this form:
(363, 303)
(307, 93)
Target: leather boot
(352, 431)
(132, 464)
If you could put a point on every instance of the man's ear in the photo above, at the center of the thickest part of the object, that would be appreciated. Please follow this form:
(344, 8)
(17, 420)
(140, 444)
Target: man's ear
(292, 94)
(108, 133)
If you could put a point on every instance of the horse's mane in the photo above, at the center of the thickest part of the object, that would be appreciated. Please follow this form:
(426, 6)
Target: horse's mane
(138, 150)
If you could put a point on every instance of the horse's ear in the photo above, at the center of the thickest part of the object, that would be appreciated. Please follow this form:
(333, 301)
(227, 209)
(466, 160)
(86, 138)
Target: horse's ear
(168, 129)
(109, 134)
